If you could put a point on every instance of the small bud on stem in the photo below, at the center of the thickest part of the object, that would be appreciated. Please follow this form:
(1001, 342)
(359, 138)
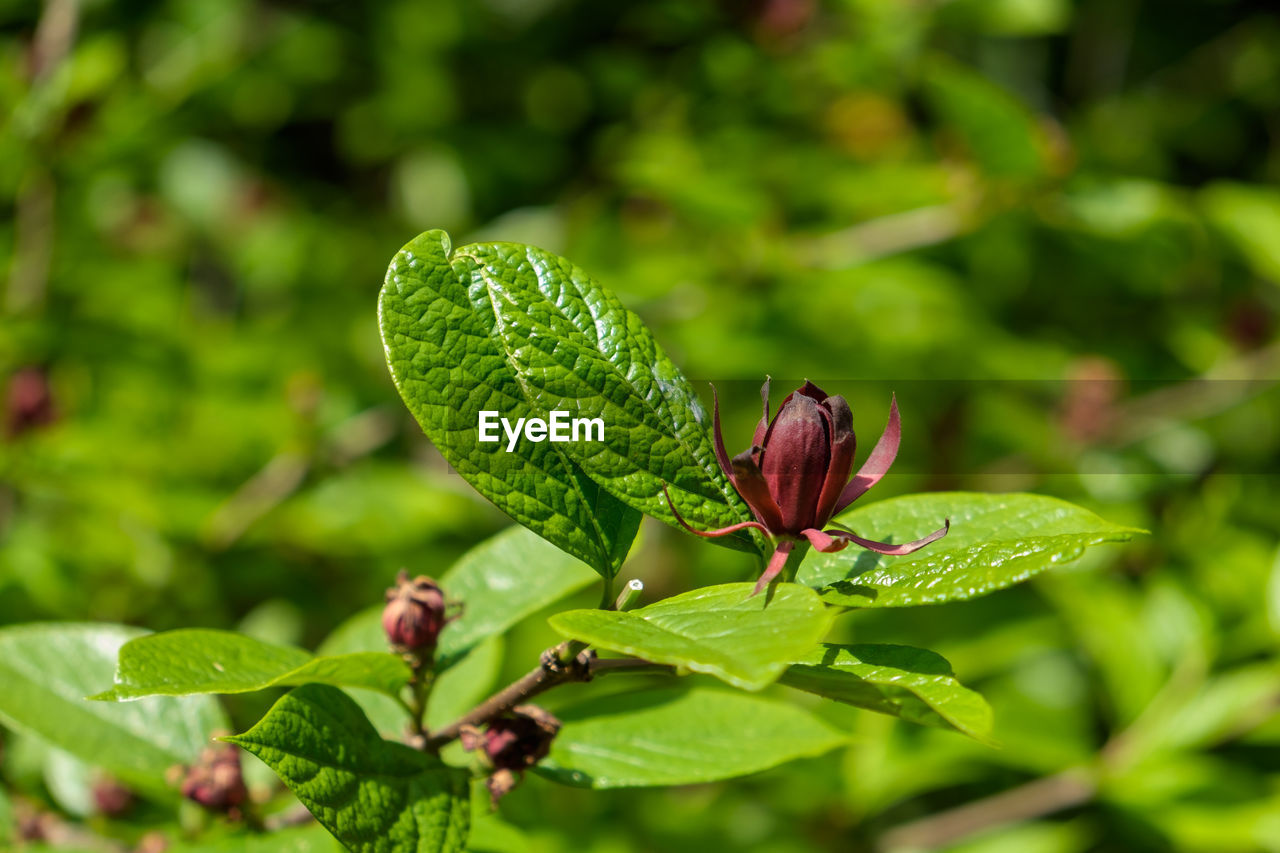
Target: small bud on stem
(414, 615)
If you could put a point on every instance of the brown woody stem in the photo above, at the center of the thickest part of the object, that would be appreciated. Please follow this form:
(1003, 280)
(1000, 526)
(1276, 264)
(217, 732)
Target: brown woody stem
(563, 664)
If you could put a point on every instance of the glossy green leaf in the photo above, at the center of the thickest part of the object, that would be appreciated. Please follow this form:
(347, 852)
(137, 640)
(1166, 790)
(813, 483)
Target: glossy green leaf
(677, 737)
(375, 796)
(914, 684)
(501, 581)
(996, 540)
(723, 630)
(576, 348)
(198, 660)
(521, 332)
(46, 670)
(449, 364)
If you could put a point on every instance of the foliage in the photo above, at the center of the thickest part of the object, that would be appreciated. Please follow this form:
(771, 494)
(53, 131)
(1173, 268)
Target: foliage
(1045, 226)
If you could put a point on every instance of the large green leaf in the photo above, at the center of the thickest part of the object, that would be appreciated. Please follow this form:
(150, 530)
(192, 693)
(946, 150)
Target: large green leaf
(518, 331)
(576, 348)
(46, 670)
(199, 660)
(501, 581)
(995, 541)
(723, 630)
(449, 365)
(677, 737)
(375, 796)
(914, 684)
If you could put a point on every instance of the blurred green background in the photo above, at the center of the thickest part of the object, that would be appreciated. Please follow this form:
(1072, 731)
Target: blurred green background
(1052, 227)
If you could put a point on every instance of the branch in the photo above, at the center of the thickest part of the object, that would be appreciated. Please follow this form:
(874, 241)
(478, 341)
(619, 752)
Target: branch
(1034, 799)
(551, 672)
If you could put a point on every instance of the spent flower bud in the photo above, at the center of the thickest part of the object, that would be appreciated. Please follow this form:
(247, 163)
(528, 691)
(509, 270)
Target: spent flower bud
(215, 781)
(511, 744)
(110, 797)
(414, 615)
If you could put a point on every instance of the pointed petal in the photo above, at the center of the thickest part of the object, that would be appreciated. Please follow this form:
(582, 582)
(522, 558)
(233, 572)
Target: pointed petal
(722, 455)
(776, 562)
(751, 484)
(763, 426)
(877, 464)
(812, 391)
(843, 444)
(893, 550)
(711, 534)
(824, 542)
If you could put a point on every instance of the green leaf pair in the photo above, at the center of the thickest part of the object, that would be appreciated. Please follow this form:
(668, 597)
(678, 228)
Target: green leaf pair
(505, 328)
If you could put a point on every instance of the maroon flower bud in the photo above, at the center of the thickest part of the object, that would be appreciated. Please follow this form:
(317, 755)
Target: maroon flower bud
(28, 402)
(111, 798)
(414, 614)
(215, 780)
(511, 744)
(795, 475)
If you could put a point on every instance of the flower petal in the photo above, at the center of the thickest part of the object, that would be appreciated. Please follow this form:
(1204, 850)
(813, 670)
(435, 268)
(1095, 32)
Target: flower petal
(877, 464)
(843, 444)
(763, 426)
(812, 391)
(893, 550)
(722, 455)
(710, 534)
(751, 484)
(824, 542)
(776, 562)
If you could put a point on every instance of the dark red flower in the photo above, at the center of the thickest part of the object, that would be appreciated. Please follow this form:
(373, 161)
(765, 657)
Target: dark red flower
(795, 475)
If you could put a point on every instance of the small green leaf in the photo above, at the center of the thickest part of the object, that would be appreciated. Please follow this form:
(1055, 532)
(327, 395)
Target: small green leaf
(914, 684)
(723, 631)
(46, 671)
(501, 581)
(198, 660)
(995, 541)
(449, 364)
(375, 796)
(678, 737)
